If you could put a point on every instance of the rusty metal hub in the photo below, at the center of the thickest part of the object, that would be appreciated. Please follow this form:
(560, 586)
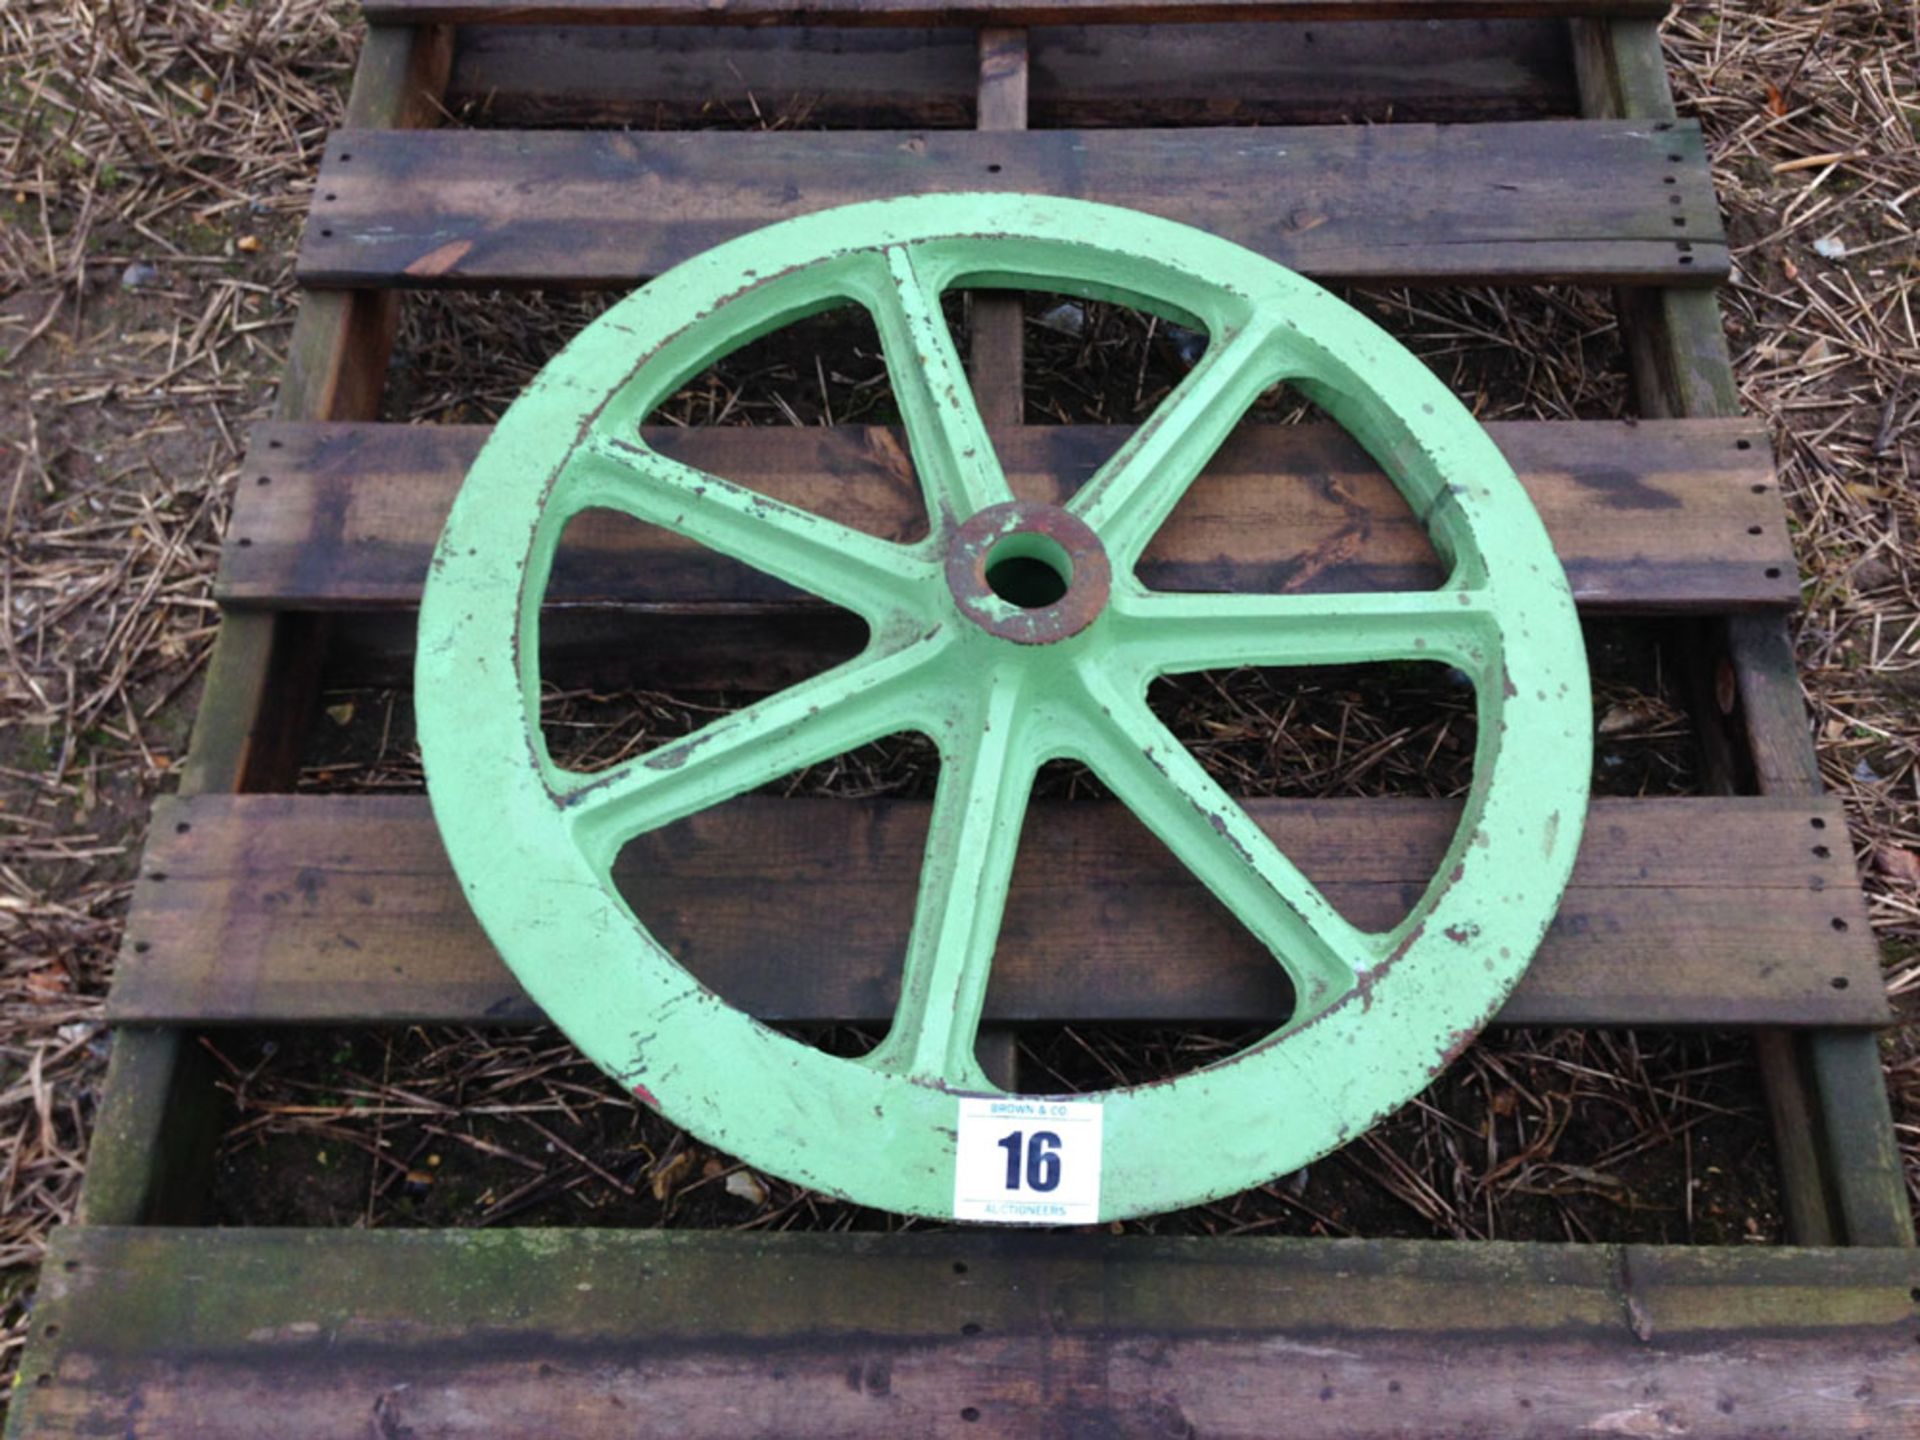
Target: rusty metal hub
(1032, 574)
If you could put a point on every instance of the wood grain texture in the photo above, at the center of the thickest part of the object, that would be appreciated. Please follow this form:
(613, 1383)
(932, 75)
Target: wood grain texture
(1081, 76)
(155, 1131)
(1851, 1120)
(1519, 202)
(1767, 678)
(311, 908)
(996, 360)
(1850, 1086)
(971, 12)
(996, 366)
(1648, 517)
(455, 1333)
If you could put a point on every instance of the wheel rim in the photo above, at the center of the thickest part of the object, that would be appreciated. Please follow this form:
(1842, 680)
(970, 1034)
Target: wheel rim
(1001, 685)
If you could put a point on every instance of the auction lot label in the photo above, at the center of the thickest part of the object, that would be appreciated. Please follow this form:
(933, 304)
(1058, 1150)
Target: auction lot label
(1027, 1162)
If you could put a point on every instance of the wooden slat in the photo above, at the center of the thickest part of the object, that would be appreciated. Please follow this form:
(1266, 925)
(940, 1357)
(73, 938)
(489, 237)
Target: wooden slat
(971, 12)
(1516, 202)
(309, 908)
(155, 1132)
(996, 367)
(453, 1333)
(1645, 516)
(1850, 1087)
(1852, 1118)
(1082, 77)
(996, 359)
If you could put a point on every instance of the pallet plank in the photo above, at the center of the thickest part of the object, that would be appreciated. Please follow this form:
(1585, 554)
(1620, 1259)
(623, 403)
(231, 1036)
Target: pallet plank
(972, 12)
(996, 352)
(1646, 517)
(1082, 77)
(548, 1332)
(1524, 201)
(323, 908)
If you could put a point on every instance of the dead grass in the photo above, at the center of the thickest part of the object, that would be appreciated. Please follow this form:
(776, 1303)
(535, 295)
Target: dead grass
(153, 158)
(1811, 117)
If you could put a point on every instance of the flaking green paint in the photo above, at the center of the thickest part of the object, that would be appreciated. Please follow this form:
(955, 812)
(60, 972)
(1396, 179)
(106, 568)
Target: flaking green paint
(1001, 691)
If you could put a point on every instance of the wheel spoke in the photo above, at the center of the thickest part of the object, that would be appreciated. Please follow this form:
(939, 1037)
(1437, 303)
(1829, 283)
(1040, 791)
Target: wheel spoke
(1168, 634)
(952, 454)
(867, 575)
(1156, 777)
(874, 694)
(1129, 497)
(971, 841)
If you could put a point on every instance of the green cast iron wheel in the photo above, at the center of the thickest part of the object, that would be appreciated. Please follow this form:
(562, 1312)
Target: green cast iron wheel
(1001, 685)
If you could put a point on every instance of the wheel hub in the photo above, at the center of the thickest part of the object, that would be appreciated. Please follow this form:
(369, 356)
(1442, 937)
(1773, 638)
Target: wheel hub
(1032, 574)
(1013, 635)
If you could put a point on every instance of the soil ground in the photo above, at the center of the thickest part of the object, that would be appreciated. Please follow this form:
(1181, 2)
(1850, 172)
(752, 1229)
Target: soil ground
(1551, 1135)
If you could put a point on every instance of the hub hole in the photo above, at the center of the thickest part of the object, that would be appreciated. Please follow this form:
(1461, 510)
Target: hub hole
(1030, 570)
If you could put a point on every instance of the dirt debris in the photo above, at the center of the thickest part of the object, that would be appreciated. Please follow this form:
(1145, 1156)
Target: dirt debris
(153, 160)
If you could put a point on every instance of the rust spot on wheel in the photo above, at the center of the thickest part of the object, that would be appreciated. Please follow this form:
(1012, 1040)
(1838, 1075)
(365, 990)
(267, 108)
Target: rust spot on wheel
(1030, 573)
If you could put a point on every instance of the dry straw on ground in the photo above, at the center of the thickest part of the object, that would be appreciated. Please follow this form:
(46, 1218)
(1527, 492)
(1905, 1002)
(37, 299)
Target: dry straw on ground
(153, 158)
(1812, 114)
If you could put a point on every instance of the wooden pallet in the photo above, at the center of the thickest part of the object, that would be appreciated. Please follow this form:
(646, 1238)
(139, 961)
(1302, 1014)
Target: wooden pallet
(260, 906)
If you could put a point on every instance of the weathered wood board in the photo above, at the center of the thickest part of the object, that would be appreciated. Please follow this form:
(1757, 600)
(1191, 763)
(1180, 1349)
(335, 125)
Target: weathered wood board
(1080, 76)
(1660, 516)
(314, 908)
(350, 1334)
(1521, 202)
